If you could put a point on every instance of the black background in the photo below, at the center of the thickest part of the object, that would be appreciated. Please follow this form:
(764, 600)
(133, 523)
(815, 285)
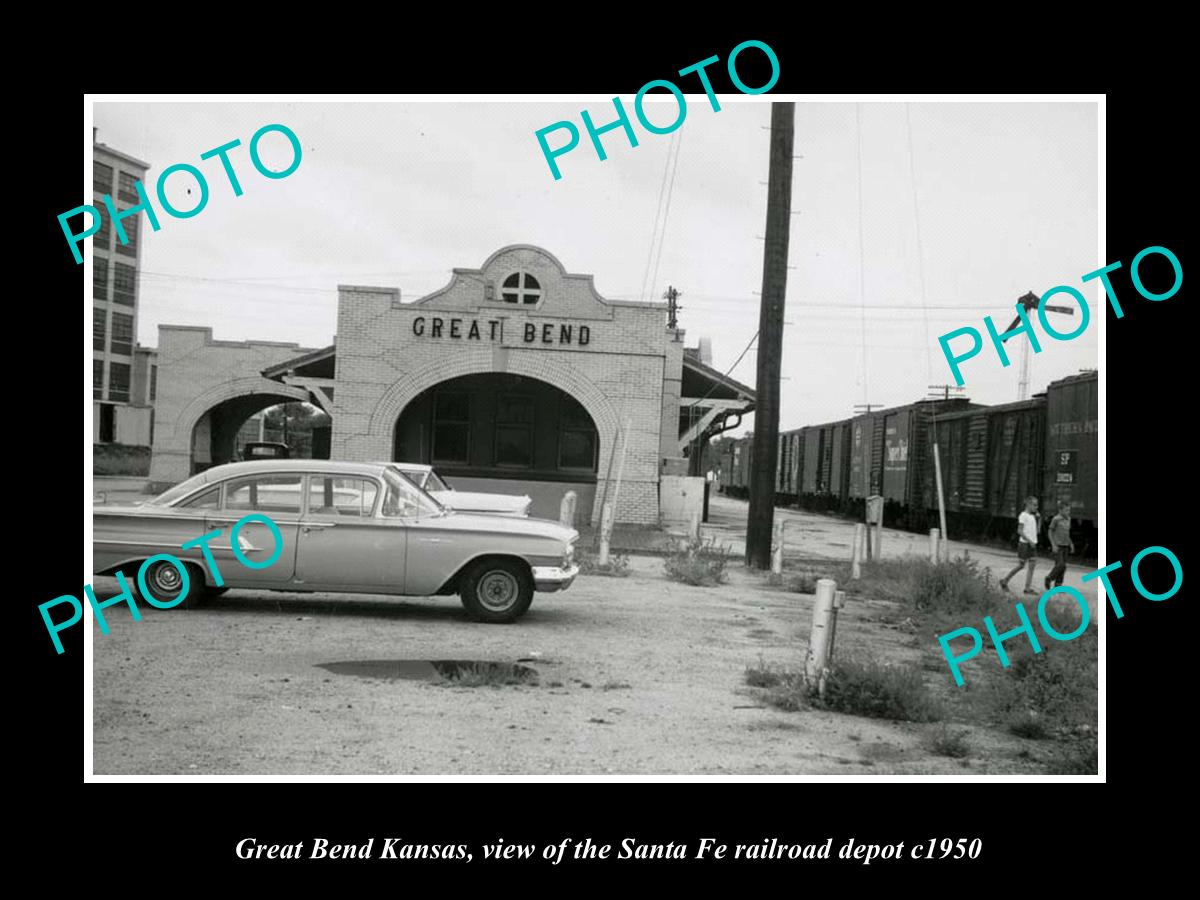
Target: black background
(143, 831)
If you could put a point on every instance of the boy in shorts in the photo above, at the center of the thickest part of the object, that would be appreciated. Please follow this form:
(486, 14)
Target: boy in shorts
(1061, 544)
(1027, 537)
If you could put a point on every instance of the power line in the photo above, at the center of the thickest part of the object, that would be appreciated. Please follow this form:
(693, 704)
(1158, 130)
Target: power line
(912, 177)
(862, 269)
(667, 212)
(662, 187)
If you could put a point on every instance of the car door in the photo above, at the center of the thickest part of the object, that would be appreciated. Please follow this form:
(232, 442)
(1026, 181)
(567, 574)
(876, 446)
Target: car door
(275, 495)
(343, 544)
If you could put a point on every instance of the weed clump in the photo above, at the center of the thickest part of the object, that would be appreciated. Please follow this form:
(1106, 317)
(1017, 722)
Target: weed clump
(857, 687)
(616, 567)
(944, 741)
(698, 562)
(804, 583)
(879, 691)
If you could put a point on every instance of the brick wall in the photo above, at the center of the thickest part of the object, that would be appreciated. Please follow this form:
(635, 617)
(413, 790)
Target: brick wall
(388, 353)
(196, 373)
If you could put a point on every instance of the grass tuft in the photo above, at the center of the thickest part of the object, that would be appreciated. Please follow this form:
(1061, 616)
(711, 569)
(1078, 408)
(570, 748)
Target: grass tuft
(866, 687)
(616, 567)
(945, 741)
(698, 562)
(857, 687)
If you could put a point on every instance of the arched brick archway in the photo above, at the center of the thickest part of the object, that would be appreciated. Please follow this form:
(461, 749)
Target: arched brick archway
(233, 389)
(174, 442)
(541, 367)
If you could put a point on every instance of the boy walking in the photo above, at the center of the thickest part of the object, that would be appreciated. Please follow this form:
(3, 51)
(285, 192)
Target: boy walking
(1061, 544)
(1027, 537)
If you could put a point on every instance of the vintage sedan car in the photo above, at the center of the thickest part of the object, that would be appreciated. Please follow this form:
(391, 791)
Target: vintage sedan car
(464, 501)
(348, 527)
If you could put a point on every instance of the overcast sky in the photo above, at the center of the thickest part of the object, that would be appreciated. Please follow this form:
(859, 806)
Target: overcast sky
(398, 194)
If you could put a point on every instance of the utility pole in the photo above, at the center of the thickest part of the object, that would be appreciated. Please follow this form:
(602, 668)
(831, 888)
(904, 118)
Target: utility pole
(937, 467)
(864, 408)
(761, 519)
(673, 307)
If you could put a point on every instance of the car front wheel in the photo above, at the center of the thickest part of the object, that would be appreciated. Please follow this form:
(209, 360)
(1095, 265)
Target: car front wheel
(497, 590)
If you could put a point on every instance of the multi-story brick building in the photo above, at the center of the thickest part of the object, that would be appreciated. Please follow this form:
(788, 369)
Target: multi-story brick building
(123, 374)
(515, 377)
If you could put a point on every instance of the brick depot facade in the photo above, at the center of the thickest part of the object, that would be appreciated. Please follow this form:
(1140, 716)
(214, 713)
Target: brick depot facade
(516, 377)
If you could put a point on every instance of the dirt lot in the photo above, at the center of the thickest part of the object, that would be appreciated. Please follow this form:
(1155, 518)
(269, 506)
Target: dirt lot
(633, 676)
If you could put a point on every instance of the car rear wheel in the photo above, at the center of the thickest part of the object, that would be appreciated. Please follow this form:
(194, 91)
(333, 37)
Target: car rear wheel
(497, 590)
(164, 582)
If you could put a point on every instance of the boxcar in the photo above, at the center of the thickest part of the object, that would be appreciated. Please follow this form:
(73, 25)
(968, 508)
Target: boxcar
(1071, 461)
(991, 461)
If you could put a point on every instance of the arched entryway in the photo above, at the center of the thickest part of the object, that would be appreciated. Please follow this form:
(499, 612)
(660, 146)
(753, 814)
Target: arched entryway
(220, 433)
(505, 433)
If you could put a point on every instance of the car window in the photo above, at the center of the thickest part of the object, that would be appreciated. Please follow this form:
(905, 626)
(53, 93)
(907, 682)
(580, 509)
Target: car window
(331, 495)
(210, 499)
(435, 483)
(169, 496)
(264, 493)
(405, 499)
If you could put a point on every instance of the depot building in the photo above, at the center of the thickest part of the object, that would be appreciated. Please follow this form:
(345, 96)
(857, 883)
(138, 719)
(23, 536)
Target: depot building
(516, 377)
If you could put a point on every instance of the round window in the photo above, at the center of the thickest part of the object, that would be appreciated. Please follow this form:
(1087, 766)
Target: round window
(521, 287)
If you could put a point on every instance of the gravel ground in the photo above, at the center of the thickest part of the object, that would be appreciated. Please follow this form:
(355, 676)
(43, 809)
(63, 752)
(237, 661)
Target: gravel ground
(638, 675)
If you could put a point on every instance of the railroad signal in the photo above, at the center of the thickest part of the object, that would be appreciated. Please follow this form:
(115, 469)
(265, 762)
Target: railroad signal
(1030, 302)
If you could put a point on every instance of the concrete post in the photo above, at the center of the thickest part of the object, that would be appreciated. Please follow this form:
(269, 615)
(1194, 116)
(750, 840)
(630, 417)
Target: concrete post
(566, 509)
(606, 524)
(839, 600)
(934, 538)
(818, 641)
(777, 549)
(694, 527)
(860, 537)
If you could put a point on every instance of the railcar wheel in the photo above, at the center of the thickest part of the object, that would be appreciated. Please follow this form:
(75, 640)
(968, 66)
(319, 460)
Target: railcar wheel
(496, 590)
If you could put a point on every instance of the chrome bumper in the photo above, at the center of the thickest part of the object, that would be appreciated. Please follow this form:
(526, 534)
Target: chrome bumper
(553, 578)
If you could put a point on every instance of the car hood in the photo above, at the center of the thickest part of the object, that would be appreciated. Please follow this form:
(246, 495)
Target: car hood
(474, 501)
(466, 521)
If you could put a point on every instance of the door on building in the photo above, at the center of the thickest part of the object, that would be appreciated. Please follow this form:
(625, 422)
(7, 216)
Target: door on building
(107, 423)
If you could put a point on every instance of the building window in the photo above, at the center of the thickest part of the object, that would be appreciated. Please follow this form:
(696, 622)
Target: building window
(122, 334)
(118, 381)
(451, 428)
(578, 444)
(97, 379)
(100, 278)
(102, 238)
(131, 226)
(153, 382)
(521, 288)
(514, 431)
(126, 189)
(98, 328)
(101, 178)
(124, 282)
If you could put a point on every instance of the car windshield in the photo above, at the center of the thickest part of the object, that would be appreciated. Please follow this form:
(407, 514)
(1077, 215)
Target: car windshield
(169, 496)
(404, 498)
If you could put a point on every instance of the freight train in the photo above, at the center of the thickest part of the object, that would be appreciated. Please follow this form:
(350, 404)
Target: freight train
(992, 457)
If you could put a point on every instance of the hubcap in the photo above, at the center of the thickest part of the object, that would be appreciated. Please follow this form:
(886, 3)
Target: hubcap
(166, 578)
(498, 590)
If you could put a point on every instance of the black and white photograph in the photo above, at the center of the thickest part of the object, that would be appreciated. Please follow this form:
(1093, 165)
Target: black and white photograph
(533, 436)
